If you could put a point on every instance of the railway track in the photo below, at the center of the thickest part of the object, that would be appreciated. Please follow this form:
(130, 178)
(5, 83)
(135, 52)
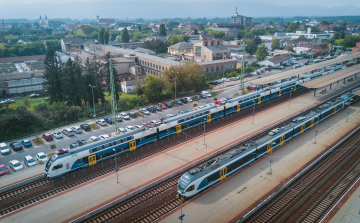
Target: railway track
(279, 205)
(318, 210)
(31, 193)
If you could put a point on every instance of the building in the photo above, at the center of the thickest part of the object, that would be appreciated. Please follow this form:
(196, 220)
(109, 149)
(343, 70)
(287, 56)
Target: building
(69, 45)
(26, 32)
(105, 21)
(319, 48)
(209, 49)
(275, 61)
(229, 32)
(313, 22)
(24, 41)
(241, 20)
(145, 51)
(44, 23)
(180, 48)
(356, 49)
(308, 34)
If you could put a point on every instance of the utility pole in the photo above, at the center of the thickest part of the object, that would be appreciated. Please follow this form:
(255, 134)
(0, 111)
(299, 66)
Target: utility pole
(312, 51)
(338, 46)
(223, 76)
(113, 96)
(92, 89)
(175, 82)
(242, 89)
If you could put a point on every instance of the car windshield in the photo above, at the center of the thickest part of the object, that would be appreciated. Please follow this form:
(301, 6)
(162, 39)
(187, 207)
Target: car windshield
(2, 168)
(42, 157)
(17, 164)
(16, 144)
(31, 160)
(131, 128)
(26, 140)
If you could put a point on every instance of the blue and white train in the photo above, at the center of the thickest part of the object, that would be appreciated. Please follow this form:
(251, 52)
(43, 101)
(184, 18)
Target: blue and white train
(206, 175)
(95, 152)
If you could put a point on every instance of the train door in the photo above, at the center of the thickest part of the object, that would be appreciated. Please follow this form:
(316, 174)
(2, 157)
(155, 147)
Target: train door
(335, 110)
(178, 129)
(269, 147)
(208, 118)
(295, 87)
(312, 123)
(223, 173)
(279, 93)
(259, 100)
(302, 128)
(92, 160)
(238, 108)
(132, 145)
(282, 138)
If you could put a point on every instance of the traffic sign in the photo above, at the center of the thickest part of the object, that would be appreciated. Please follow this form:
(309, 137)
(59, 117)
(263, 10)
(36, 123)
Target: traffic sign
(117, 169)
(182, 217)
(203, 133)
(270, 160)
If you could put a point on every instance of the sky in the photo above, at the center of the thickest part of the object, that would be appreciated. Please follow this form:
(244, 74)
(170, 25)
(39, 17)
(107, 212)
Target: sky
(326, 3)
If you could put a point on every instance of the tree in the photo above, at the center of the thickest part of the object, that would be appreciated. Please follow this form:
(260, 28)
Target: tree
(53, 76)
(247, 29)
(324, 22)
(160, 46)
(201, 27)
(261, 52)
(106, 37)
(302, 36)
(87, 29)
(72, 82)
(251, 47)
(292, 27)
(162, 30)
(106, 73)
(101, 35)
(93, 77)
(26, 26)
(241, 34)
(154, 88)
(196, 32)
(140, 89)
(275, 44)
(53, 147)
(271, 22)
(257, 40)
(55, 45)
(125, 36)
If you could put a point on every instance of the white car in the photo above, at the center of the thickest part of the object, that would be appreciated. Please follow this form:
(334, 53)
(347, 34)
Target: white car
(41, 157)
(7, 101)
(30, 161)
(57, 134)
(130, 128)
(103, 136)
(138, 126)
(93, 139)
(188, 99)
(68, 132)
(154, 123)
(101, 122)
(76, 129)
(122, 130)
(15, 165)
(125, 116)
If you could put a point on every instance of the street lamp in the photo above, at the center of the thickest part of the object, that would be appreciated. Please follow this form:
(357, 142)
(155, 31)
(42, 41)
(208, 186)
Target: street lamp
(116, 168)
(92, 89)
(181, 214)
(253, 112)
(175, 82)
(204, 129)
(290, 96)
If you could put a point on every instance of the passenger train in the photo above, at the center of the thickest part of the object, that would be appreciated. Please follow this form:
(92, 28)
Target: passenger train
(95, 152)
(206, 175)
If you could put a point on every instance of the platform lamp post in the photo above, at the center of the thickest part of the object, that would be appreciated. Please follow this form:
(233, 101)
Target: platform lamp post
(181, 217)
(253, 112)
(290, 96)
(204, 129)
(92, 89)
(116, 168)
(175, 82)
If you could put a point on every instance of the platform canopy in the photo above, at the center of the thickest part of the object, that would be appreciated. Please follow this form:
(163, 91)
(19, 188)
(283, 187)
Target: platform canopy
(332, 78)
(303, 70)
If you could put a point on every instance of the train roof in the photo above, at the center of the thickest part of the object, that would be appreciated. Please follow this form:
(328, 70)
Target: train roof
(182, 116)
(246, 96)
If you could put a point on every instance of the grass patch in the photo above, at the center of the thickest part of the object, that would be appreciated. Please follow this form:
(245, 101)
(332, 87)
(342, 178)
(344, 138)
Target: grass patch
(213, 94)
(38, 141)
(50, 154)
(94, 126)
(138, 114)
(241, 190)
(27, 102)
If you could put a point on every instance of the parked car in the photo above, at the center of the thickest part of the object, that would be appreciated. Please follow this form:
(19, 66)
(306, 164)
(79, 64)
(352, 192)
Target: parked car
(15, 146)
(197, 97)
(279, 67)
(101, 122)
(109, 120)
(68, 132)
(203, 95)
(74, 145)
(232, 78)
(151, 109)
(76, 129)
(29, 161)
(63, 150)
(162, 105)
(154, 123)
(144, 111)
(26, 143)
(189, 110)
(219, 102)
(168, 104)
(178, 102)
(4, 149)
(41, 157)
(183, 100)
(130, 128)
(298, 119)
(15, 165)
(3, 169)
(157, 107)
(138, 126)
(122, 130)
(118, 118)
(7, 101)
(86, 127)
(81, 142)
(170, 115)
(199, 107)
(57, 134)
(188, 99)
(297, 66)
(132, 114)
(103, 136)
(93, 139)
(47, 136)
(124, 116)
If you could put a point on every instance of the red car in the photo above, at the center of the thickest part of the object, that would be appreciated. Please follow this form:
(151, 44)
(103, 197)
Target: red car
(63, 150)
(162, 105)
(219, 102)
(47, 136)
(3, 169)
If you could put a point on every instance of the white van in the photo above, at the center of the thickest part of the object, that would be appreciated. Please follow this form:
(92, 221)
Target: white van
(206, 93)
(4, 149)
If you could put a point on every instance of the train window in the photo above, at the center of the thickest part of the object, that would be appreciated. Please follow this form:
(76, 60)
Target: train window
(191, 188)
(129, 138)
(114, 142)
(85, 159)
(57, 167)
(99, 148)
(79, 160)
(118, 141)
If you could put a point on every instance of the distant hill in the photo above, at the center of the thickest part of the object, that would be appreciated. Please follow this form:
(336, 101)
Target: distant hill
(163, 9)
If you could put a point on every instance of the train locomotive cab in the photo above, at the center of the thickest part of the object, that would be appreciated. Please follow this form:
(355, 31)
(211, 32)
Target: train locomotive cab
(53, 168)
(186, 187)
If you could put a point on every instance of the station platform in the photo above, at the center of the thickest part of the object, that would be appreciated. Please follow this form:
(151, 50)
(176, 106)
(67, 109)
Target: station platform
(91, 195)
(24, 174)
(231, 199)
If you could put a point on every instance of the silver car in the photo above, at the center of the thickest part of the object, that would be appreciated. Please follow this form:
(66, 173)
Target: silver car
(15, 165)
(29, 161)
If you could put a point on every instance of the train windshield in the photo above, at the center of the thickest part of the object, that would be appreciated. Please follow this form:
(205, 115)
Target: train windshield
(182, 185)
(49, 162)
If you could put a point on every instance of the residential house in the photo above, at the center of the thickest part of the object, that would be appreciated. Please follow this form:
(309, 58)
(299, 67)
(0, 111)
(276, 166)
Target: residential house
(356, 49)
(275, 61)
(319, 48)
(229, 32)
(180, 48)
(69, 45)
(308, 34)
(25, 32)
(24, 41)
(89, 46)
